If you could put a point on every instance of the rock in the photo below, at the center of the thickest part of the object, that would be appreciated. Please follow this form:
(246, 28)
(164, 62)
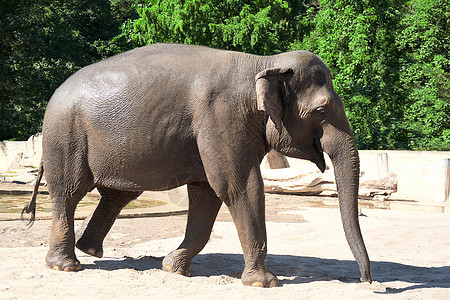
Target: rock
(310, 181)
(294, 181)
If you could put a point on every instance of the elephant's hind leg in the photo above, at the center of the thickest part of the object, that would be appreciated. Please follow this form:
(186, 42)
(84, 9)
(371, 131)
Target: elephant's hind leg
(203, 208)
(91, 236)
(61, 254)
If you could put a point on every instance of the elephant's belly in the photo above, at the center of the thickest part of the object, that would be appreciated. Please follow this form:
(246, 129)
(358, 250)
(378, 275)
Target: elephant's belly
(148, 183)
(151, 173)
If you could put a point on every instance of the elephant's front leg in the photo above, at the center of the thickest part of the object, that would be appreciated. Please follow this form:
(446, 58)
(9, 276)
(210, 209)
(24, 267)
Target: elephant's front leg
(247, 208)
(203, 208)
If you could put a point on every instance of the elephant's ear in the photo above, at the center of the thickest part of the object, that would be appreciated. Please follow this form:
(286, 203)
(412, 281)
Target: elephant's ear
(269, 92)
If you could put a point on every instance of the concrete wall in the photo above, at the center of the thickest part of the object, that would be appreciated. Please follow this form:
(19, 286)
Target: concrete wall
(421, 175)
(21, 154)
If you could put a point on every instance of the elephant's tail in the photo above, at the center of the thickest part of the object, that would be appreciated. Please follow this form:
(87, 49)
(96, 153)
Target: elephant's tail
(31, 206)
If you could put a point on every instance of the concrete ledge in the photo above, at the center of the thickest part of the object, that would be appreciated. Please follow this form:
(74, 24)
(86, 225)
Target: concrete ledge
(158, 211)
(176, 199)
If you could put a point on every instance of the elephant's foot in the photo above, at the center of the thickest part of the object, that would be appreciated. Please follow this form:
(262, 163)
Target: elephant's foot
(259, 278)
(177, 262)
(85, 241)
(62, 263)
(88, 247)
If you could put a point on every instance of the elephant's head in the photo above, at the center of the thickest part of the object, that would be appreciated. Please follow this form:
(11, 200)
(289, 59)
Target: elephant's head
(307, 118)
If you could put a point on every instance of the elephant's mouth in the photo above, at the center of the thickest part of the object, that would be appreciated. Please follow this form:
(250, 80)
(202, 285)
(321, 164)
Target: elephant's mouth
(319, 159)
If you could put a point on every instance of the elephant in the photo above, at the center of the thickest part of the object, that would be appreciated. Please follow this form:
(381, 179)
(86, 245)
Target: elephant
(166, 115)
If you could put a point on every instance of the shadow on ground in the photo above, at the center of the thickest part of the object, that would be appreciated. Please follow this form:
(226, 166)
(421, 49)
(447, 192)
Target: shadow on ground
(297, 269)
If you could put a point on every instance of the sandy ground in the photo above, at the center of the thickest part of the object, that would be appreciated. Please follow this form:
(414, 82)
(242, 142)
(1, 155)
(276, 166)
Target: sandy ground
(410, 254)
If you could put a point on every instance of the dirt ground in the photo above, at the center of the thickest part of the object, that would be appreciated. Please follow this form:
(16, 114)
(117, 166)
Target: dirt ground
(307, 250)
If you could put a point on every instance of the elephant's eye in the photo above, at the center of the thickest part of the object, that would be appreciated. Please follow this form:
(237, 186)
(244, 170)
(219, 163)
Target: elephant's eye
(321, 110)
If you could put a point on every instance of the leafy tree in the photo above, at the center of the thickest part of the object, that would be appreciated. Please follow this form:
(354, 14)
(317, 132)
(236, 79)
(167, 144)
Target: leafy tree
(390, 61)
(260, 27)
(424, 41)
(356, 39)
(42, 42)
(123, 10)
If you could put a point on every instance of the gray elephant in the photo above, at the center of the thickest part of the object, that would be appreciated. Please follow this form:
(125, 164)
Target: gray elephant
(165, 115)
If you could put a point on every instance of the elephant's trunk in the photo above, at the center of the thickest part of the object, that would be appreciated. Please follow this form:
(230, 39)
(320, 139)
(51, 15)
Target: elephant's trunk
(341, 148)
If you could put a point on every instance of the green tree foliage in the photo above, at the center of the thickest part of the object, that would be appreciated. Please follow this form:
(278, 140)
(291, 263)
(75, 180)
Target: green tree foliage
(389, 59)
(260, 27)
(124, 10)
(356, 40)
(42, 42)
(424, 42)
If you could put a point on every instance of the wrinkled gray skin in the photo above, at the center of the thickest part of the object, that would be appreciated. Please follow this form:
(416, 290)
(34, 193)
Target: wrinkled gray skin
(161, 116)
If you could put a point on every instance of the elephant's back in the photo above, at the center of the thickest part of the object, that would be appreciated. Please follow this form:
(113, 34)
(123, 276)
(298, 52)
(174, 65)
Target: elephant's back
(132, 75)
